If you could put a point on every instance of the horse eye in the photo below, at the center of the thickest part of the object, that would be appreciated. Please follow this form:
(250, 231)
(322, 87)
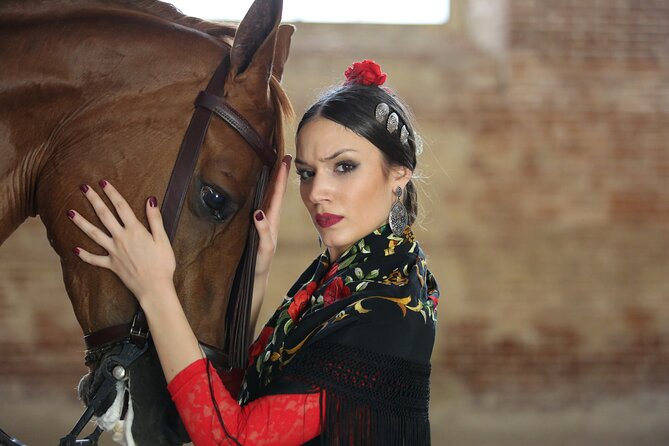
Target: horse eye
(215, 201)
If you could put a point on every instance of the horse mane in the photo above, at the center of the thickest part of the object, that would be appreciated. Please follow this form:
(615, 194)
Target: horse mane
(223, 31)
(167, 11)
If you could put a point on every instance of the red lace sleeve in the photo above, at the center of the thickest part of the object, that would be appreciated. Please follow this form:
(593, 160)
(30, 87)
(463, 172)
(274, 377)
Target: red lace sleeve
(271, 420)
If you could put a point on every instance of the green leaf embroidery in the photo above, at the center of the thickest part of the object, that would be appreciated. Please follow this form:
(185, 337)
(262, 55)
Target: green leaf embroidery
(372, 274)
(347, 262)
(358, 273)
(361, 286)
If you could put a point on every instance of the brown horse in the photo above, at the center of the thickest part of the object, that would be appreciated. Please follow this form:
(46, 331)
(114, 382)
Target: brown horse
(105, 89)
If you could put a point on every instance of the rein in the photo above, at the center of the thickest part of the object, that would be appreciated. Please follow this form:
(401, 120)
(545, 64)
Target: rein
(134, 336)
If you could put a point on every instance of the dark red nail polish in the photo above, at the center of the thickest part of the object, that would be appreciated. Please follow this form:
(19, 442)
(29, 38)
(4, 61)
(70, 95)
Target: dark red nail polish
(103, 183)
(84, 188)
(153, 202)
(287, 159)
(260, 216)
(70, 213)
(76, 251)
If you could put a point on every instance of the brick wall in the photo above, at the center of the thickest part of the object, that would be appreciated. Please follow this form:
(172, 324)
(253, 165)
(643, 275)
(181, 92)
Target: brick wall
(546, 219)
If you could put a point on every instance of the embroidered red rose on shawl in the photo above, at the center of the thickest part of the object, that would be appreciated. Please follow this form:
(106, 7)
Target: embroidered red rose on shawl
(331, 272)
(366, 72)
(434, 299)
(335, 291)
(299, 304)
(260, 344)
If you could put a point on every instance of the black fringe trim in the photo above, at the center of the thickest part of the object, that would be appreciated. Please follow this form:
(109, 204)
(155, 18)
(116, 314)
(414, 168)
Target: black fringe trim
(370, 398)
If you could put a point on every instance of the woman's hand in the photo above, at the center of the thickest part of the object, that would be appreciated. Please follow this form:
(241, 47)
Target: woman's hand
(267, 223)
(143, 260)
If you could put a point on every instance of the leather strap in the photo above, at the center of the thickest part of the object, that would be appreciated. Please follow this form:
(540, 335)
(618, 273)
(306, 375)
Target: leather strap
(238, 315)
(189, 151)
(106, 335)
(239, 123)
(137, 330)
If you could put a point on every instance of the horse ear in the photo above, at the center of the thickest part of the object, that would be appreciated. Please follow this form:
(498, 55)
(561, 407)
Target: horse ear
(252, 51)
(281, 49)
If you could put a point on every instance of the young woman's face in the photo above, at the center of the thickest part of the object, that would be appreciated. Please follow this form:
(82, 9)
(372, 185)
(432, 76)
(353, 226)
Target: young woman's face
(343, 184)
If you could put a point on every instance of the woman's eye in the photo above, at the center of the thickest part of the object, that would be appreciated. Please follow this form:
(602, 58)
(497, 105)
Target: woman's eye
(215, 201)
(345, 167)
(304, 174)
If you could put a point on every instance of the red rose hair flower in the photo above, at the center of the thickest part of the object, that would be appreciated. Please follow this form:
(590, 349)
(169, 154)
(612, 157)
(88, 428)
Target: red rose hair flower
(366, 72)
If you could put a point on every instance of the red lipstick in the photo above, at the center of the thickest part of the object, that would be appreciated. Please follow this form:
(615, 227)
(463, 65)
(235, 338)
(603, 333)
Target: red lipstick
(327, 220)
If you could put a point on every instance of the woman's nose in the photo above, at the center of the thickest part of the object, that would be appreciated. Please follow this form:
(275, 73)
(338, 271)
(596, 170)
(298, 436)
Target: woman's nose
(320, 189)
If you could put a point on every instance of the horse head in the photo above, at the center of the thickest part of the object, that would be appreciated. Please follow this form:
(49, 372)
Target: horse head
(105, 90)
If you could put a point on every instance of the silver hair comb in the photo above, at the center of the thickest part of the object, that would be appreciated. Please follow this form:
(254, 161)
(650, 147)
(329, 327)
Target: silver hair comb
(391, 121)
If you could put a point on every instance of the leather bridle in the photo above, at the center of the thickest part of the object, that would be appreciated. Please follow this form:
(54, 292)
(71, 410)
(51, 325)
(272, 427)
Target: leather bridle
(133, 337)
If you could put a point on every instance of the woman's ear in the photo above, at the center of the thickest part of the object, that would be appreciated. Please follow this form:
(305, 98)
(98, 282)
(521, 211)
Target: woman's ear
(401, 175)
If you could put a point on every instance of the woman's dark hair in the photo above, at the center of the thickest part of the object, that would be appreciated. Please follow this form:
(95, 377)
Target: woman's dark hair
(354, 107)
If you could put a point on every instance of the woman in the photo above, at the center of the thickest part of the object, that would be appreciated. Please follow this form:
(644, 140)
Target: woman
(345, 359)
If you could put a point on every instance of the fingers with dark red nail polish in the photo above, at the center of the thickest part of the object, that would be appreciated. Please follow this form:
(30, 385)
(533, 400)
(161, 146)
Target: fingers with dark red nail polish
(70, 213)
(103, 183)
(260, 215)
(84, 188)
(76, 251)
(153, 202)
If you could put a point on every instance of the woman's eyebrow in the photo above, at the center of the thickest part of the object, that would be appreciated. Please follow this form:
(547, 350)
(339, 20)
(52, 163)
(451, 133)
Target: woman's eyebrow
(327, 158)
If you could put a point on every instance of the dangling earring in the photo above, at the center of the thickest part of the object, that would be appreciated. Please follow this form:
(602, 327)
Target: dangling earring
(398, 217)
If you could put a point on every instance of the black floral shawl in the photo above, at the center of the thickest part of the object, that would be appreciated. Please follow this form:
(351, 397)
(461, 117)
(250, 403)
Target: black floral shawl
(362, 330)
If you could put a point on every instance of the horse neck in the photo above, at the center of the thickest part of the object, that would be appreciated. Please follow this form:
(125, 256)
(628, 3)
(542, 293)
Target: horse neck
(52, 77)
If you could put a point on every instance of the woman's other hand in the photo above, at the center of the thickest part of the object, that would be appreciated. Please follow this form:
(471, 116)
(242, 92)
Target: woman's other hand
(267, 223)
(143, 260)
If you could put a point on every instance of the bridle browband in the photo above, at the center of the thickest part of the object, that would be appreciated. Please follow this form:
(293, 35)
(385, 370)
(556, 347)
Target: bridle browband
(133, 336)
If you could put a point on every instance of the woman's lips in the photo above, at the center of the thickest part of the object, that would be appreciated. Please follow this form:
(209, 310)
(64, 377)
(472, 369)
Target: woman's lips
(326, 220)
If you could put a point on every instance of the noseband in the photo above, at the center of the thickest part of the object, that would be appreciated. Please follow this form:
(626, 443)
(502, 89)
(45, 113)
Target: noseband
(133, 337)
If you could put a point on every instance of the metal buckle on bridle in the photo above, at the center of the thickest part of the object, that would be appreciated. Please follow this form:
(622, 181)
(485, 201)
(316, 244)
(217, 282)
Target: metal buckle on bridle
(139, 333)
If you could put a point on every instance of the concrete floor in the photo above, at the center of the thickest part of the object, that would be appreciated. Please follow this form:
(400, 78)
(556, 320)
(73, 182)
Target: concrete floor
(642, 420)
